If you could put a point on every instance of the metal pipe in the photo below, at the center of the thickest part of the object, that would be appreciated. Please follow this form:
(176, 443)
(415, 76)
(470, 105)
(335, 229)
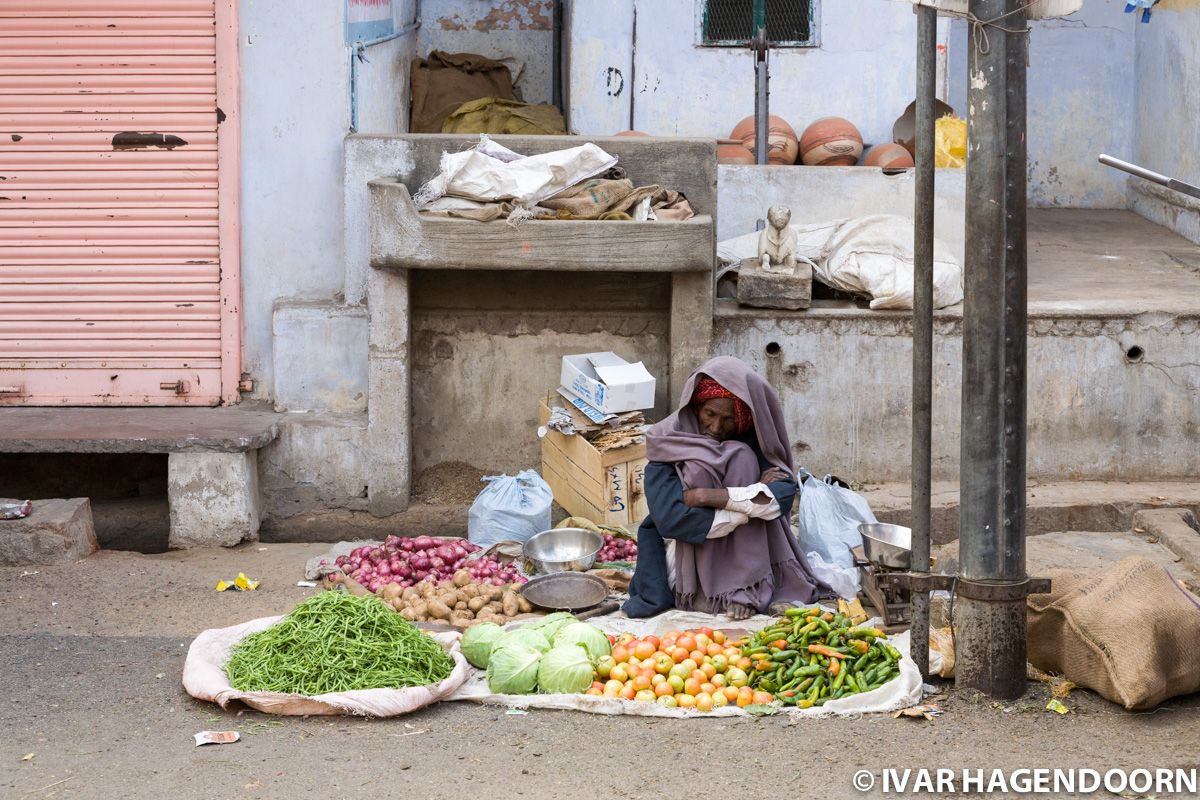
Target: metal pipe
(1153, 177)
(357, 54)
(762, 115)
(990, 634)
(922, 378)
(556, 59)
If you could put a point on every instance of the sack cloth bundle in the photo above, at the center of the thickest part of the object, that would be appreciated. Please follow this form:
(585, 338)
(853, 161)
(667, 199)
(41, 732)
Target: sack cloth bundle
(1129, 632)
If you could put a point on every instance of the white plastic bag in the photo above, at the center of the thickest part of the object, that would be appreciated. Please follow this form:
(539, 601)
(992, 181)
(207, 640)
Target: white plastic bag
(843, 580)
(510, 508)
(829, 519)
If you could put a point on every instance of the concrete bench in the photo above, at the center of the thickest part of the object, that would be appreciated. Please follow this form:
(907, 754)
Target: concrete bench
(212, 465)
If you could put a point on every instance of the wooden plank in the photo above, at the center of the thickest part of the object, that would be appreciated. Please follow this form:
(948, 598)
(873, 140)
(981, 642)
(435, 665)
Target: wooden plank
(585, 484)
(568, 245)
(616, 489)
(565, 494)
(637, 491)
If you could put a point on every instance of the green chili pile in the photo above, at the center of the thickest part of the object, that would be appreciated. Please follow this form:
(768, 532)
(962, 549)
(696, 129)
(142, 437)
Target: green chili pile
(335, 642)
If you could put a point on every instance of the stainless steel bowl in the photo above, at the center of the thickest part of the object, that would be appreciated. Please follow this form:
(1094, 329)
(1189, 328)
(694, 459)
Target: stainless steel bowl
(561, 550)
(887, 545)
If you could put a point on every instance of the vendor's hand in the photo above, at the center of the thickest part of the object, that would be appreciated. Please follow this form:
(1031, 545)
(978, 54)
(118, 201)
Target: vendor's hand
(773, 474)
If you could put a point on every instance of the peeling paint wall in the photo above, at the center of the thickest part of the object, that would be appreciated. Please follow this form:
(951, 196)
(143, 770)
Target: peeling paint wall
(520, 29)
(1081, 81)
(295, 113)
(845, 383)
(1081, 90)
(1168, 113)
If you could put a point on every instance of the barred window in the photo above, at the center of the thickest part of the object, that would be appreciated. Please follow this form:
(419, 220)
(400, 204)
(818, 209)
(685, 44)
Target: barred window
(730, 23)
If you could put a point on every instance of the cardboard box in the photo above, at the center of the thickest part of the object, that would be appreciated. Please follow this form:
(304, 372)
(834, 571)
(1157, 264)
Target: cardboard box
(607, 382)
(608, 488)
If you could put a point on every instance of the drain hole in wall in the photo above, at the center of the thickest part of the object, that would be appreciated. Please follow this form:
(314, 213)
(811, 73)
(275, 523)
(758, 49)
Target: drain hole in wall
(1135, 354)
(773, 349)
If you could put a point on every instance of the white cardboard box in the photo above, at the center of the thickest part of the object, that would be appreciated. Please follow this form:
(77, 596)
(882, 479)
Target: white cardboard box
(608, 382)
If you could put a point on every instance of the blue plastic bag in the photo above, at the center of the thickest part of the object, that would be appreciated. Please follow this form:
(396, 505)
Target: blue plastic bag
(510, 508)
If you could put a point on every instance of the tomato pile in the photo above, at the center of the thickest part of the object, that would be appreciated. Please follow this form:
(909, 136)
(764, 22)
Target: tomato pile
(697, 669)
(617, 548)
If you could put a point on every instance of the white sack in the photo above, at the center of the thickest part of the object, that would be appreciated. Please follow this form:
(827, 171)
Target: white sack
(487, 175)
(874, 256)
(204, 679)
(870, 255)
(902, 692)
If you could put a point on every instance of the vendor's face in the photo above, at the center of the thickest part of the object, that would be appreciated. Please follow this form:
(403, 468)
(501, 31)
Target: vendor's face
(717, 419)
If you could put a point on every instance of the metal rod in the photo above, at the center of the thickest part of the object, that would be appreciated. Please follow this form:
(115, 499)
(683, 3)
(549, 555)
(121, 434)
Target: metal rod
(1153, 177)
(922, 379)
(356, 55)
(762, 113)
(990, 635)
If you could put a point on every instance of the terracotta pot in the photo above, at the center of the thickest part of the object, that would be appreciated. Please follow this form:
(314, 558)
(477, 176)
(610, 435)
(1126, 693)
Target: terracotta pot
(782, 145)
(831, 142)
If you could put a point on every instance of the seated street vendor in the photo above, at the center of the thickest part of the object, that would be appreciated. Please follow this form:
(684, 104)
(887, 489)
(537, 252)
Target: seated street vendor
(720, 487)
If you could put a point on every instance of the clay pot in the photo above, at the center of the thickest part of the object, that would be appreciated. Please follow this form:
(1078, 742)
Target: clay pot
(831, 142)
(888, 156)
(734, 154)
(630, 133)
(782, 145)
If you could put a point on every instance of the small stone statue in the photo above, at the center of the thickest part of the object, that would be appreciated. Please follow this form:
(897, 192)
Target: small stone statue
(777, 242)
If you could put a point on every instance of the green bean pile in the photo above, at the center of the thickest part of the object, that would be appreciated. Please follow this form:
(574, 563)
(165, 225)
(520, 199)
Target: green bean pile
(335, 642)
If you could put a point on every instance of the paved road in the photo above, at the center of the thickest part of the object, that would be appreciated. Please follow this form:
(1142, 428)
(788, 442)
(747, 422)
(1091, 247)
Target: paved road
(93, 692)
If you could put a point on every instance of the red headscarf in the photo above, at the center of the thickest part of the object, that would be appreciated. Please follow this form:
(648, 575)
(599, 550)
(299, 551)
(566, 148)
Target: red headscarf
(707, 389)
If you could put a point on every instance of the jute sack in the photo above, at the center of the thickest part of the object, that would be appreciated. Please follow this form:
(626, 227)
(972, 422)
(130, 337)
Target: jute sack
(1129, 632)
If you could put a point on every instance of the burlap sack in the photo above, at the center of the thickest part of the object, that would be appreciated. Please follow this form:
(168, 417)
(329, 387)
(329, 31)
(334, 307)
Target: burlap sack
(1129, 632)
(444, 81)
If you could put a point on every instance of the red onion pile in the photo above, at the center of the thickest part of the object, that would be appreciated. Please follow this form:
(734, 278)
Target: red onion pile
(617, 548)
(409, 561)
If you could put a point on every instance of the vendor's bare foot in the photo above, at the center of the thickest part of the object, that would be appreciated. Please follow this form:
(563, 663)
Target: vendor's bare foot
(779, 609)
(738, 611)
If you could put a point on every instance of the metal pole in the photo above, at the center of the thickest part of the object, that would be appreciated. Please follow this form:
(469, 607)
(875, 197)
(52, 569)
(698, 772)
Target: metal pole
(1149, 175)
(922, 381)
(762, 114)
(990, 633)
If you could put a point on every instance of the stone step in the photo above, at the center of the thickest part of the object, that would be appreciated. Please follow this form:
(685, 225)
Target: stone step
(56, 532)
(1060, 506)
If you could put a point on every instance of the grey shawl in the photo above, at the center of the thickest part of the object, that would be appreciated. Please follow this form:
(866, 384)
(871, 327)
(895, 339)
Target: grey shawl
(760, 562)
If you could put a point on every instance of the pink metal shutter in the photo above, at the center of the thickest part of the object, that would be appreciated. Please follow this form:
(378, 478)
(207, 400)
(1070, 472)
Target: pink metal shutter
(110, 273)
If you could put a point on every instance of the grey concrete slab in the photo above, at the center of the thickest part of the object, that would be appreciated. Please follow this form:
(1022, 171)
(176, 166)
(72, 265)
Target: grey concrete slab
(55, 532)
(1084, 264)
(1057, 506)
(1177, 530)
(134, 430)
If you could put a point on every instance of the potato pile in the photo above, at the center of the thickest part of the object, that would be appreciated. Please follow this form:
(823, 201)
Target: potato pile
(459, 602)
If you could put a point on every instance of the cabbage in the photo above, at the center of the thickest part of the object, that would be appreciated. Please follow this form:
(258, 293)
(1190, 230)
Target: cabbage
(566, 669)
(478, 641)
(550, 624)
(589, 637)
(524, 636)
(513, 669)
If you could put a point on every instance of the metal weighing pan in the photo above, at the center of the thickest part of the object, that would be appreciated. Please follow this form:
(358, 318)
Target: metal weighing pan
(887, 545)
(565, 591)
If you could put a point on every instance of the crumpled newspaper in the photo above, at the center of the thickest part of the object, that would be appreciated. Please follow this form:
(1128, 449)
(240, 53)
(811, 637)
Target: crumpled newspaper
(559, 421)
(16, 510)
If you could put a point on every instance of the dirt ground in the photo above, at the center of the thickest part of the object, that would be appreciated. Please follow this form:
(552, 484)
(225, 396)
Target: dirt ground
(92, 656)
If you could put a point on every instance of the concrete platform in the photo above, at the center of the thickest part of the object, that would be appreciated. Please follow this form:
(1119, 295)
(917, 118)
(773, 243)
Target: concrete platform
(1113, 375)
(134, 430)
(213, 489)
(1065, 506)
